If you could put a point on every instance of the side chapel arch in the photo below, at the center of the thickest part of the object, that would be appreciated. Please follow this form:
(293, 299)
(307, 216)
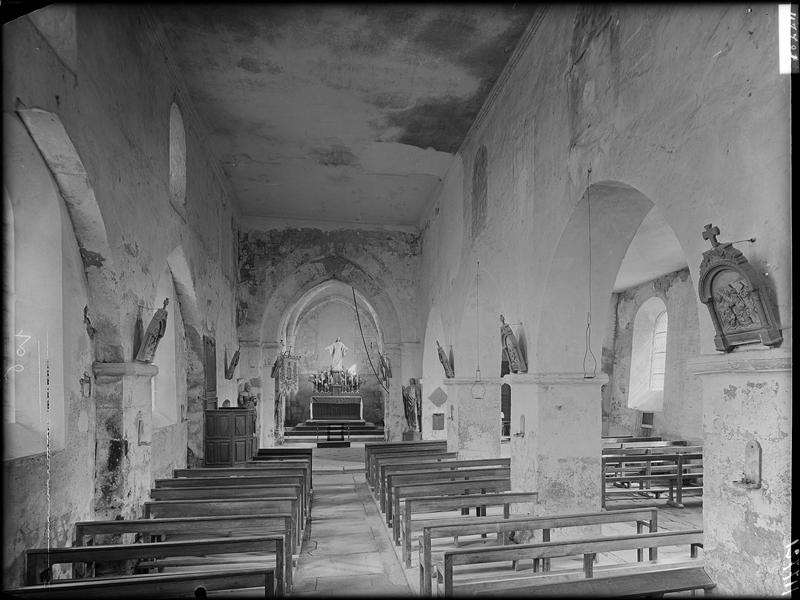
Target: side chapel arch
(74, 183)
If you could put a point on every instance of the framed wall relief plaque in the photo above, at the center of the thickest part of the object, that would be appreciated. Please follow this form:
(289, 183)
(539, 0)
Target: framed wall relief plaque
(742, 307)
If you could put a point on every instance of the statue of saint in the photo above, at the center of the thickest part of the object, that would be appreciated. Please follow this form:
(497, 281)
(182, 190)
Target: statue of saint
(385, 368)
(511, 353)
(337, 351)
(155, 331)
(448, 368)
(410, 405)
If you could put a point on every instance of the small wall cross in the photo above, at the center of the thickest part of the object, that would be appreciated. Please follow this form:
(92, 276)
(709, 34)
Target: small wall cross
(711, 234)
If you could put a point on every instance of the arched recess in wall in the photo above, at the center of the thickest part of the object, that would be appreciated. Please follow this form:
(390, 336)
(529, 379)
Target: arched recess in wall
(648, 356)
(76, 189)
(617, 210)
(47, 279)
(477, 335)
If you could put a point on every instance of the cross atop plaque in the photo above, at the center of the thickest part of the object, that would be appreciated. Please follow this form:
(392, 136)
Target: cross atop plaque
(741, 305)
(710, 233)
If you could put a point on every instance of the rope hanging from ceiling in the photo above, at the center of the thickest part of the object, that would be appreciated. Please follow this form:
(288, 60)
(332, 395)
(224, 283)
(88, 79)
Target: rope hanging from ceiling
(588, 338)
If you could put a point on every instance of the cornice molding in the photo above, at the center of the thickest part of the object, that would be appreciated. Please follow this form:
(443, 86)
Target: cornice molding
(757, 361)
(562, 378)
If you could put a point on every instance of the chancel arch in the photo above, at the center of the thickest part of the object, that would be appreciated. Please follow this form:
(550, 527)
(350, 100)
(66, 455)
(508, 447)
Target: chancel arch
(317, 284)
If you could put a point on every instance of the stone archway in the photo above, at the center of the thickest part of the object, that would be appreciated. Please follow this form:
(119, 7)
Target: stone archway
(74, 183)
(560, 398)
(284, 305)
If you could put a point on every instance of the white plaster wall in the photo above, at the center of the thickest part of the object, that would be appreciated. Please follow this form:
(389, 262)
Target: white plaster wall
(682, 103)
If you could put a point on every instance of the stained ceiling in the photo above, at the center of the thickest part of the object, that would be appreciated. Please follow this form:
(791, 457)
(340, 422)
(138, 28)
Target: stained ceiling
(339, 112)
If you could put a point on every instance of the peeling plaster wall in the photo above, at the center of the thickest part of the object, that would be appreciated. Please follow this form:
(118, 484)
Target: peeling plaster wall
(683, 104)
(276, 267)
(681, 417)
(115, 108)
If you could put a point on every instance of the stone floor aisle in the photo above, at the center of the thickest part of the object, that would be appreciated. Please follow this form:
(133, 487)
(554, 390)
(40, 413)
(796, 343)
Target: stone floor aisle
(347, 550)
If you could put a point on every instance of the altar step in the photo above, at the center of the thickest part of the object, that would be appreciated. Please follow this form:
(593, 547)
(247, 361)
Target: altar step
(355, 430)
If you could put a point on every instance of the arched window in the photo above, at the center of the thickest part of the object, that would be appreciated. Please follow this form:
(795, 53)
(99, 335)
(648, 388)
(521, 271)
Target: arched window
(177, 158)
(648, 356)
(658, 353)
(479, 191)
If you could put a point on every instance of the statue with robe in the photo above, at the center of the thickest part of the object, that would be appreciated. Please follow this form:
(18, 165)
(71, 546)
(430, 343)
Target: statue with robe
(412, 401)
(155, 331)
(385, 368)
(448, 368)
(511, 353)
(337, 351)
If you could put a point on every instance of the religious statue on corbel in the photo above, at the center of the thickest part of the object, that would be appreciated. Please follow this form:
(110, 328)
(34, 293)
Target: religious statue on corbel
(446, 361)
(155, 331)
(741, 305)
(230, 368)
(510, 348)
(385, 368)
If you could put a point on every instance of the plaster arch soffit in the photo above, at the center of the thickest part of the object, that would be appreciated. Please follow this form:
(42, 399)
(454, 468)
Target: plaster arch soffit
(183, 281)
(291, 289)
(617, 210)
(316, 298)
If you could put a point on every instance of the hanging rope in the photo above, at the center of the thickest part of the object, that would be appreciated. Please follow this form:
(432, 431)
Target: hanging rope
(371, 366)
(588, 341)
(477, 327)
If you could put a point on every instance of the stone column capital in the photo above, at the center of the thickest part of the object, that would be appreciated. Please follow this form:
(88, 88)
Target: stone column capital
(124, 369)
(551, 378)
(469, 381)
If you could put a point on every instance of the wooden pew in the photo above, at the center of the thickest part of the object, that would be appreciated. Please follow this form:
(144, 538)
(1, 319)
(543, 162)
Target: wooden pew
(240, 491)
(646, 444)
(652, 450)
(232, 506)
(154, 585)
(438, 504)
(160, 530)
(195, 482)
(416, 459)
(437, 476)
(472, 580)
(271, 454)
(39, 561)
(419, 467)
(642, 518)
(400, 457)
(629, 438)
(673, 479)
(478, 485)
(410, 453)
(373, 448)
(274, 469)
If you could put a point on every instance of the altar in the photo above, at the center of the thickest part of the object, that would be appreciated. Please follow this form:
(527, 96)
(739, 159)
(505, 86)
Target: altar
(339, 407)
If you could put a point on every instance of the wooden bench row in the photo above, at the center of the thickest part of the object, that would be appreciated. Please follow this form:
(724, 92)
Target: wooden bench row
(249, 519)
(674, 474)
